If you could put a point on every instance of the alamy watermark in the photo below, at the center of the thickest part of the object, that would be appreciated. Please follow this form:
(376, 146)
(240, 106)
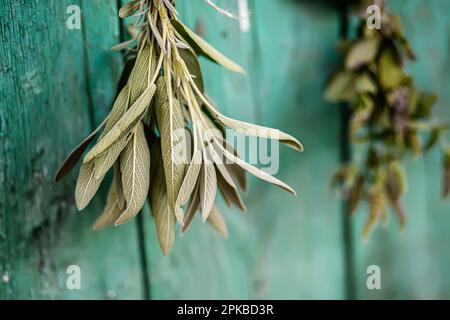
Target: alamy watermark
(73, 281)
(373, 17)
(248, 144)
(73, 20)
(373, 281)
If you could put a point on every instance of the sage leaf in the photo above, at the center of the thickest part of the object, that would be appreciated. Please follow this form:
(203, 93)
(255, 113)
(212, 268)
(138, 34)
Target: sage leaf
(390, 72)
(208, 189)
(365, 84)
(135, 167)
(238, 175)
(106, 160)
(118, 110)
(123, 45)
(217, 221)
(219, 163)
(122, 203)
(87, 185)
(124, 125)
(194, 205)
(143, 69)
(230, 194)
(362, 52)
(446, 174)
(76, 154)
(258, 131)
(193, 65)
(164, 216)
(129, 9)
(203, 48)
(190, 180)
(341, 87)
(111, 211)
(236, 171)
(171, 122)
(255, 171)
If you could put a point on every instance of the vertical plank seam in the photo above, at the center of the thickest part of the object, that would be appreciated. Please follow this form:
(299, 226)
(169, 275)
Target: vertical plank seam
(87, 78)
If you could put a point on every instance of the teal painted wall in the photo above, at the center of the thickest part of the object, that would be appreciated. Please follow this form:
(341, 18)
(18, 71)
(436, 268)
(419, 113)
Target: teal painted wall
(56, 84)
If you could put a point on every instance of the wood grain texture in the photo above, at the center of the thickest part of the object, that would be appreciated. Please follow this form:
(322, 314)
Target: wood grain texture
(45, 108)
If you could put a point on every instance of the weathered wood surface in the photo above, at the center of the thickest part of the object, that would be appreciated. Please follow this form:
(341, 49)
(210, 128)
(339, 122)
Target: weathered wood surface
(56, 84)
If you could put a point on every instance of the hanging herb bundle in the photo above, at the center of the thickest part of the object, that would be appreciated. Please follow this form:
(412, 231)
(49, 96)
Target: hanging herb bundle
(390, 119)
(161, 97)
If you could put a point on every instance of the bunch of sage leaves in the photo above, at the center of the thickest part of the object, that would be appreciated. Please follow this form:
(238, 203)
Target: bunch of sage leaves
(390, 118)
(162, 96)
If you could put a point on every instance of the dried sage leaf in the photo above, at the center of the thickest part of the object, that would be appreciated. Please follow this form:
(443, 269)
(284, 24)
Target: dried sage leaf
(111, 211)
(164, 216)
(255, 171)
(135, 168)
(193, 65)
(124, 125)
(258, 131)
(194, 205)
(87, 185)
(341, 87)
(122, 203)
(203, 48)
(362, 52)
(217, 221)
(238, 175)
(129, 9)
(391, 74)
(145, 67)
(190, 180)
(208, 189)
(106, 160)
(171, 124)
(76, 154)
(230, 194)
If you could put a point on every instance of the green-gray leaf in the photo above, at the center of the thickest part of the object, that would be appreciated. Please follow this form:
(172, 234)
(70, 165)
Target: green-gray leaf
(193, 66)
(135, 167)
(217, 221)
(171, 122)
(87, 185)
(208, 189)
(76, 154)
(164, 216)
(190, 180)
(202, 47)
(253, 170)
(362, 52)
(125, 125)
(111, 211)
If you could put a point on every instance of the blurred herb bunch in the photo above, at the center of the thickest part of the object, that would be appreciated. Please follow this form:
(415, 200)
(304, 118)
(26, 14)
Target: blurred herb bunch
(390, 119)
(162, 95)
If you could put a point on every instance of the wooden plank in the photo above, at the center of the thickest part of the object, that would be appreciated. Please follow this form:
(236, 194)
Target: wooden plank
(45, 108)
(31, 106)
(298, 240)
(414, 265)
(282, 240)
